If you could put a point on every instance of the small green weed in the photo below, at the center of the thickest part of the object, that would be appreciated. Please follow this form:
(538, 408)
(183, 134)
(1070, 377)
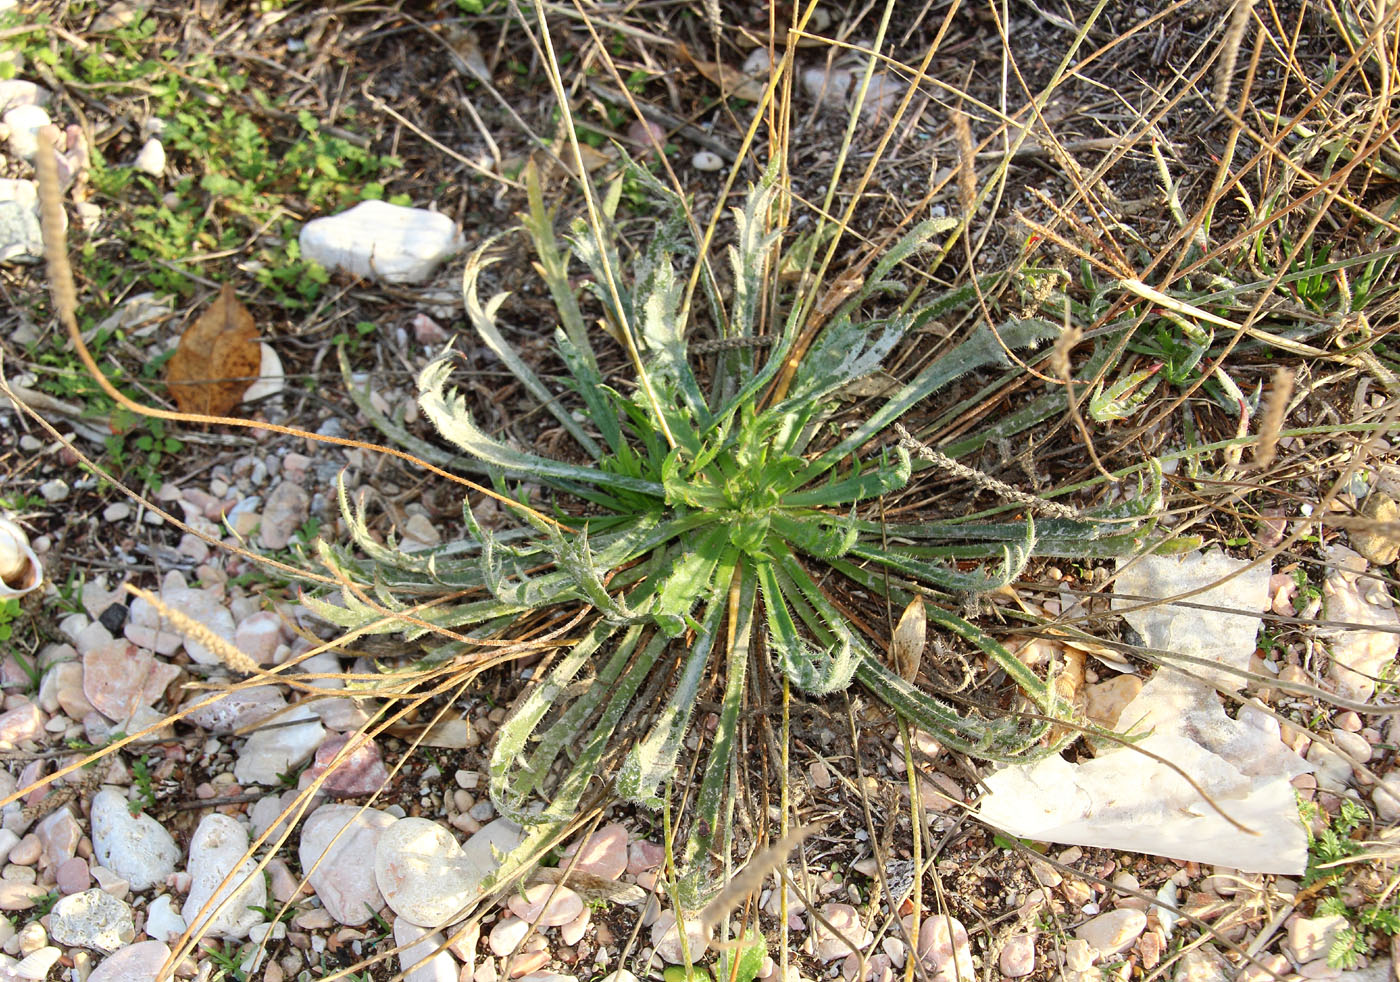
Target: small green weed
(141, 775)
(711, 497)
(1328, 852)
(9, 613)
(228, 958)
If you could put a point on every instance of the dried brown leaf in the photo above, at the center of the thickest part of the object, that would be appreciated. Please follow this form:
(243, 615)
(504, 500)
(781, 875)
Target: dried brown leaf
(731, 81)
(907, 643)
(217, 358)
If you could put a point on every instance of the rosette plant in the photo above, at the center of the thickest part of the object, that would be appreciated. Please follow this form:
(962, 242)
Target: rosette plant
(719, 519)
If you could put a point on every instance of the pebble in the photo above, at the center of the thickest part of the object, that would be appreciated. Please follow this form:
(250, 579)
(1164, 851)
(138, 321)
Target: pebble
(18, 92)
(27, 851)
(546, 905)
(24, 122)
(238, 708)
(707, 160)
(22, 723)
(151, 159)
(1201, 965)
(72, 876)
(1017, 958)
(284, 513)
(140, 962)
(391, 242)
(55, 490)
(92, 919)
(643, 856)
(1378, 545)
(361, 772)
(418, 944)
(216, 849)
(135, 847)
(59, 835)
(572, 933)
(335, 842)
(21, 237)
(1312, 937)
(1353, 744)
(507, 935)
(944, 948)
(163, 921)
(1113, 932)
(17, 895)
(1331, 768)
(1386, 796)
(119, 677)
(258, 636)
(423, 873)
(604, 853)
(272, 752)
(666, 938)
(206, 607)
(845, 919)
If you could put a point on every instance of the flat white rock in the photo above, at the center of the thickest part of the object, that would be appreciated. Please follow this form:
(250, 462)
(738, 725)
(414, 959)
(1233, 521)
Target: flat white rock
(92, 919)
(272, 752)
(25, 122)
(389, 242)
(135, 847)
(21, 238)
(134, 963)
(151, 159)
(335, 842)
(218, 848)
(420, 870)
(419, 945)
(163, 921)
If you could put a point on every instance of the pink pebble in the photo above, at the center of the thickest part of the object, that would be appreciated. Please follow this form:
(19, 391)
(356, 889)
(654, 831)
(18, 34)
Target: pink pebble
(72, 876)
(546, 904)
(604, 853)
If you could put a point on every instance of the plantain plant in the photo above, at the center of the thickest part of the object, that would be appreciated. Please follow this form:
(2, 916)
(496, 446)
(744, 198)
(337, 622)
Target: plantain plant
(717, 520)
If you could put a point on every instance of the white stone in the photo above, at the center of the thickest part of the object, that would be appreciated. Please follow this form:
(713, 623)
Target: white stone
(420, 870)
(1110, 933)
(1386, 796)
(163, 921)
(666, 938)
(546, 904)
(271, 376)
(135, 847)
(21, 238)
(92, 919)
(140, 962)
(707, 160)
(151, 159)
(417, 945)
(335, 842)
(272, 752)
(944, 948)
(24, 123)
(218, 847)
(391, 242)
(1313, 937)
(208, 609)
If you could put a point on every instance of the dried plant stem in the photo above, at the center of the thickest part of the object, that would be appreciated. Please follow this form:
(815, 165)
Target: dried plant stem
(984, 482)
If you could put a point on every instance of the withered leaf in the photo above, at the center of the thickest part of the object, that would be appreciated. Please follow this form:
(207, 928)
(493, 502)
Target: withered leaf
(731, 81)
(217, 358)
(907, 644)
